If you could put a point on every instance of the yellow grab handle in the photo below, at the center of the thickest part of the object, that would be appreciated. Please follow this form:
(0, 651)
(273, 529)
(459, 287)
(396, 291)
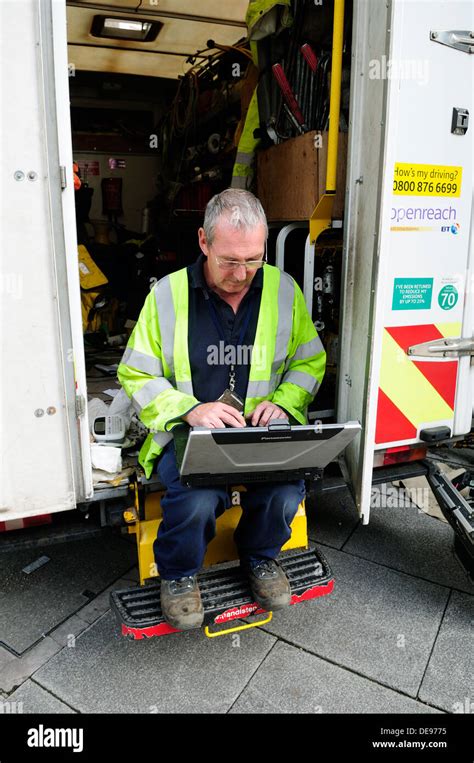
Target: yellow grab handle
(335, 94)
(210, 634)
(321, 218)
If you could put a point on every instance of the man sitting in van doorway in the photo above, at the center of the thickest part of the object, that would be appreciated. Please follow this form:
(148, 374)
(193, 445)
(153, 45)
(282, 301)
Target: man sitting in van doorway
(187, 360)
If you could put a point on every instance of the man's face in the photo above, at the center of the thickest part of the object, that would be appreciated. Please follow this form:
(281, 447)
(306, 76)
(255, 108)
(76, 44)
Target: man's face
(231, 243)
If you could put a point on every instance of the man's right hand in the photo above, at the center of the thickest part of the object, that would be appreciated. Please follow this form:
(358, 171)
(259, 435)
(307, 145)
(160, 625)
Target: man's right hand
(214, 416)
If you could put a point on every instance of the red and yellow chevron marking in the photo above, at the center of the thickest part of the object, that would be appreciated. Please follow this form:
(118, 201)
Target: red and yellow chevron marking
(413, 392)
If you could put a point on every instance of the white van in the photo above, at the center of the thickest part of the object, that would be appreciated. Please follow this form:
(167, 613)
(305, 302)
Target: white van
(406, 303)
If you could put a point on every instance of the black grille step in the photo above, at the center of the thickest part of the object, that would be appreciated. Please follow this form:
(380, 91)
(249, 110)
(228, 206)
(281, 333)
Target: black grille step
(225, 593)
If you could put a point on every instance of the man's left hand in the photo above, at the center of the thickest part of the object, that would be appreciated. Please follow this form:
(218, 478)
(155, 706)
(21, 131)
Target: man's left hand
(264, 412)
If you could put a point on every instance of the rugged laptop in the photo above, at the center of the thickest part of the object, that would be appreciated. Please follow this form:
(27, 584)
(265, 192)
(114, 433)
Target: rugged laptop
(278, 452)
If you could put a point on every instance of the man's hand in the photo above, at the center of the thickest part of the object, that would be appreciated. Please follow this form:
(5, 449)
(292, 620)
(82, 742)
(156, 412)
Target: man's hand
(264, 412)
(214, 416)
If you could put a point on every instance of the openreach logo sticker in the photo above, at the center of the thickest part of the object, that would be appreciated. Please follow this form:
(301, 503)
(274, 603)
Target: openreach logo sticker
(49, 737)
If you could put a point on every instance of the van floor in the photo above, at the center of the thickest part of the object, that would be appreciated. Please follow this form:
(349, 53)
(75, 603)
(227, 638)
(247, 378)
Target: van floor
(101, 378)
(98, 379)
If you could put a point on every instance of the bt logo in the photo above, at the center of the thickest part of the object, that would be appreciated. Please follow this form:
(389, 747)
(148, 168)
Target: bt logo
(450, 228)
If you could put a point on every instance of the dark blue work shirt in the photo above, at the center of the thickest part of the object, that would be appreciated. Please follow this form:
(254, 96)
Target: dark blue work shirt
(208, 352)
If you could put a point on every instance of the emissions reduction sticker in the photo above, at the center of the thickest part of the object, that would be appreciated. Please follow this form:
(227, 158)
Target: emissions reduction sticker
(412, 293)
(426, 180)
(447, 297)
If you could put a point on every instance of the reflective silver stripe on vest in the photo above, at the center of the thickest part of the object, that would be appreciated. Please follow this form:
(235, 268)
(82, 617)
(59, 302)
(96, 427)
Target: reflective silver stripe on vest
(149, 391)
(149, 364)
(167, 319)
(306, 381)
(243, 158)
(286, 294)
(259, 389)
(186, 387)
(263, 388)
(162, 438)
(308, 349)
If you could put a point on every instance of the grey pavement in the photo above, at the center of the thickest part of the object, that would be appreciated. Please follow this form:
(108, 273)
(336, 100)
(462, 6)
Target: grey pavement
(332, 517)
(449, 678)
(31, 698)
(378, 623)
(397, 537)
(292, 681)
(394, 636)
(74, 574)
(183, 672)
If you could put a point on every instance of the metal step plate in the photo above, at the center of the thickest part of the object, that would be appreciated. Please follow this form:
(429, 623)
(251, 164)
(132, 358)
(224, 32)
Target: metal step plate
(225, 593)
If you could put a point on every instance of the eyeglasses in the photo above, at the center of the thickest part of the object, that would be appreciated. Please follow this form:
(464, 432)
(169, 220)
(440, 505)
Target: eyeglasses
(225, 264)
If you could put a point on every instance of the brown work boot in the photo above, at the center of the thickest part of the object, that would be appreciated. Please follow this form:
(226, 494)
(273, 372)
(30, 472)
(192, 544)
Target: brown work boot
(181, 603)
(269, 584)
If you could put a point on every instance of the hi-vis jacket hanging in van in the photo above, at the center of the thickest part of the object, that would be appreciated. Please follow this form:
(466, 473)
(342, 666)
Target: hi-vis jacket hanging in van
(155, 371)
(263, 18)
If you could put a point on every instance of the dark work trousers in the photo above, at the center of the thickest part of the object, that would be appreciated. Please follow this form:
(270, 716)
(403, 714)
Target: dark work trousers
(189, 520)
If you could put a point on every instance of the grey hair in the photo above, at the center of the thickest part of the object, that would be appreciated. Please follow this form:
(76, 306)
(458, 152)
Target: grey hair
(241, 209)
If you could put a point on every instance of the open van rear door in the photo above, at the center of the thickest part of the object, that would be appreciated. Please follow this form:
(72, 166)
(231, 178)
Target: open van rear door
(407, 335)
(44, 439)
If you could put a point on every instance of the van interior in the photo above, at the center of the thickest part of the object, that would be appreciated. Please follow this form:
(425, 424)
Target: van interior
(159, 93)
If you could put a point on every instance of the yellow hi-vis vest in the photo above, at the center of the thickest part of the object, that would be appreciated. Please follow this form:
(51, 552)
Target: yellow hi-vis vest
(263, 18)
(242, 171)
(287, 361)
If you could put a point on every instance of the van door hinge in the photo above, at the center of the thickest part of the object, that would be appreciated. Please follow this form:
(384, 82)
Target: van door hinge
(62, 173)
(80, 405)
(450, 347)
(459, 40)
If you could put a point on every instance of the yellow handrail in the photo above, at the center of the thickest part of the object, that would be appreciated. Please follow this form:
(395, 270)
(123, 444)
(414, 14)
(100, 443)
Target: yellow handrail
(335, 94)
(321, 217)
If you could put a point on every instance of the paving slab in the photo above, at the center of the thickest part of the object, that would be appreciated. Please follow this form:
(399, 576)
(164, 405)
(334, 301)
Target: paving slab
(377, 622)
(5, 656)
(332, 517)
(33, 604)
(179, 673)
(290, 680)
(31, 698)
(18, 670)
(449, 678)
(101, 604)
(66, 633)
(407, 539)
